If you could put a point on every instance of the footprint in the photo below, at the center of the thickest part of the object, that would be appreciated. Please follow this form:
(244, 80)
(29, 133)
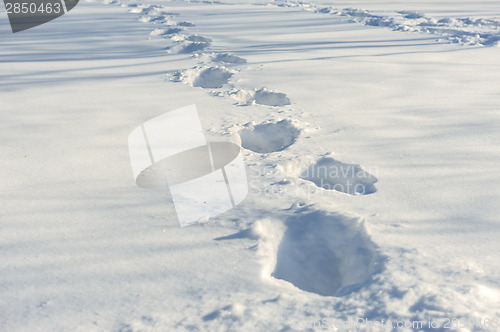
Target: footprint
(317, 251)
(194, 47)
(266, 97)
(332, 174)
(326, 10)
(185, 24)
(165, 20)
(212, 78)
(160, 20)
(411, 15)
(171, 31)
(228, 58)
(203, 77)
(269, 137)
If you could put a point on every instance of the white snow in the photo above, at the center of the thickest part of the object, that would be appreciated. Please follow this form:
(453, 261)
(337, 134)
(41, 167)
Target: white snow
(398, 97)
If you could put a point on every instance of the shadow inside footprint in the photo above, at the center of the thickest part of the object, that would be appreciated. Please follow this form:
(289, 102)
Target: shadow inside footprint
(322, 252)
(269, 137)
(331, 174)
(194, 47)
(269, 98)
(172, 31)
(212, 78)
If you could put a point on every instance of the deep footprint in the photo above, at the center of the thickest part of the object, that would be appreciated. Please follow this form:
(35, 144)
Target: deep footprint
(194, 47)
(266, 97)
(171, 31)
(269, 137)
(212, 78)
(332, 174)
(326, 253)
(321, 252)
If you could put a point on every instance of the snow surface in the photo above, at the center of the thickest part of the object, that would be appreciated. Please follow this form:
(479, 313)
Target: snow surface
(401, 97)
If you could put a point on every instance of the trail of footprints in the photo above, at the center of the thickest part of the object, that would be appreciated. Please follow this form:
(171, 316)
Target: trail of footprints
(466, 30)
(216, 69)
(351, 256)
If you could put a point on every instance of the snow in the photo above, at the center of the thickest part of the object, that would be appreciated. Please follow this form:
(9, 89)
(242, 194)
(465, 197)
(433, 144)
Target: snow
(399, 96)
(465, 30)
(269, 137)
